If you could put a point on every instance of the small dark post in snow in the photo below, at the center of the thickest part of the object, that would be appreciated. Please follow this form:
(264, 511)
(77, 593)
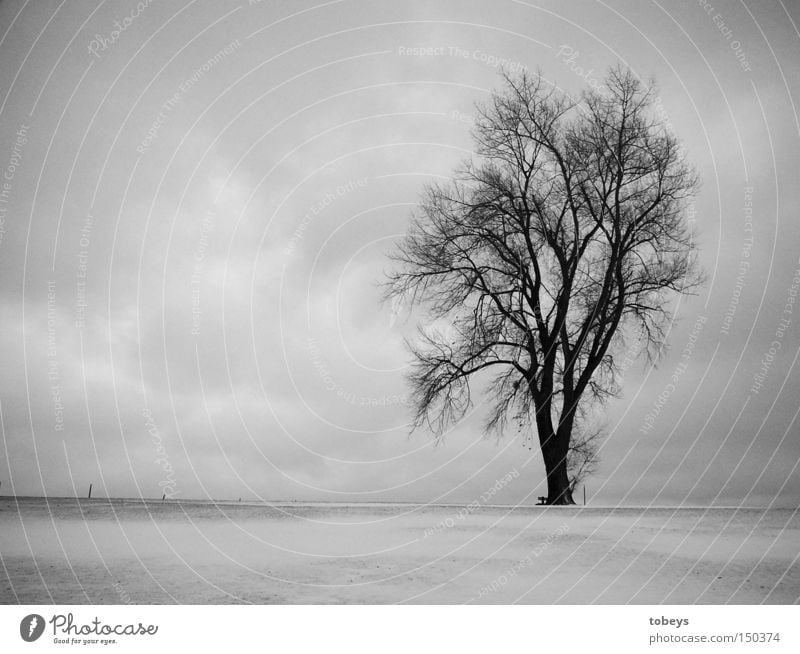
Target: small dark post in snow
(584, 495)
(90, 491)
(164, 496)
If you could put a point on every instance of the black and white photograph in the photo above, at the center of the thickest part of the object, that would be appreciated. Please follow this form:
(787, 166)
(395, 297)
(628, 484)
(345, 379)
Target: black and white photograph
(417, 302)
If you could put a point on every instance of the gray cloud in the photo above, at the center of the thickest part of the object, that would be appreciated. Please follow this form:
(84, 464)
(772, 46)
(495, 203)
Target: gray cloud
(229, 268)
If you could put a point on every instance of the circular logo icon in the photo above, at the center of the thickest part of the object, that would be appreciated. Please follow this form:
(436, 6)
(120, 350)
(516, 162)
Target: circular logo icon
(31, 627)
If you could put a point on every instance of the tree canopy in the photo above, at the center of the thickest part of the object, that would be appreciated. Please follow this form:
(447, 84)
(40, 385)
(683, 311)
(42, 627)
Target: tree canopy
(565, 234)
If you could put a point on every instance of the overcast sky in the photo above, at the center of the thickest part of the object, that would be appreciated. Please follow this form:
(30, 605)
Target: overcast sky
(197, 204)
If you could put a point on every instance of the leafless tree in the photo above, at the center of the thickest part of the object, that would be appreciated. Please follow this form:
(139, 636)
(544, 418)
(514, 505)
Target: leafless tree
(565, 232)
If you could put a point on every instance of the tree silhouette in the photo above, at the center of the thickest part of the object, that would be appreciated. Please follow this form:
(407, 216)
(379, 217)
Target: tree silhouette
(566, 232)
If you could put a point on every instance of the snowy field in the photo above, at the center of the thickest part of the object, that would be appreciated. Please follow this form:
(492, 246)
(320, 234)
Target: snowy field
(117, 552)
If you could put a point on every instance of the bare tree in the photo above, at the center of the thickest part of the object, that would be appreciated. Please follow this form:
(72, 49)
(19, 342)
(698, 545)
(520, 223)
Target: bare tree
(565, 232)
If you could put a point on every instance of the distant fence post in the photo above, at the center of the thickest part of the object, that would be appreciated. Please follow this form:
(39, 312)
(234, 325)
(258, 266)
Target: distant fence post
(90, 491)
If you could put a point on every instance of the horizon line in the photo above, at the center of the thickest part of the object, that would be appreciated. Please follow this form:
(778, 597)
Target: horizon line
(394, 502)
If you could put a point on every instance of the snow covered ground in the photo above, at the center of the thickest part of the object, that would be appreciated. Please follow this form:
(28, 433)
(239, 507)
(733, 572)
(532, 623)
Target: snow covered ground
(117, 552)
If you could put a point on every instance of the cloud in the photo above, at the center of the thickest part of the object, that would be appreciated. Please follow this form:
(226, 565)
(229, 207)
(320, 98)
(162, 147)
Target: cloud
(225, 280)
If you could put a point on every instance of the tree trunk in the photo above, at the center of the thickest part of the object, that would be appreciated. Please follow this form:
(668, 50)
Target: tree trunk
(554, 452)
(555, 445)
(558, 488)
